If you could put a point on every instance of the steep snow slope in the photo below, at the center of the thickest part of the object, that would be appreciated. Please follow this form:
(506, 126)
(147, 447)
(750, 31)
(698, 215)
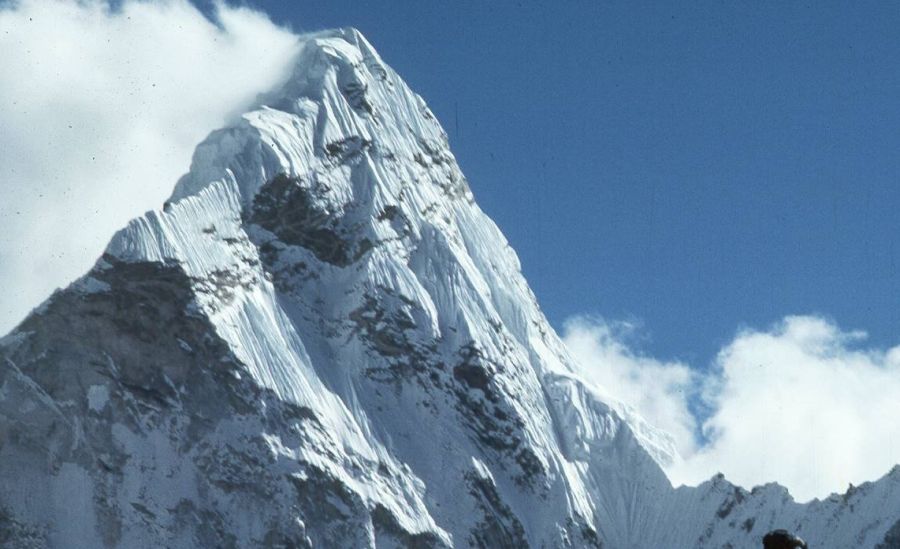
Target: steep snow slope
(322, 341)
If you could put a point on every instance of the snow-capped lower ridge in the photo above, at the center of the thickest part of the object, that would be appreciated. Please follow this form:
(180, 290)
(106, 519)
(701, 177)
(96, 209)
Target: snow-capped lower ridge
(322, 341)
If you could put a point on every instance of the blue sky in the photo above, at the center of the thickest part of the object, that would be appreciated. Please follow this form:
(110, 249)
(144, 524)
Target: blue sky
(698, 166)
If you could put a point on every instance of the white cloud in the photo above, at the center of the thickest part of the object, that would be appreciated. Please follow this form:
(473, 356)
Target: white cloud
(802, 404)
(659, 391)
(100, 109)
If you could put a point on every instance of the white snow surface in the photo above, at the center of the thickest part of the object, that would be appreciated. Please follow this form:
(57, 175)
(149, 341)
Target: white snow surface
(334, 248)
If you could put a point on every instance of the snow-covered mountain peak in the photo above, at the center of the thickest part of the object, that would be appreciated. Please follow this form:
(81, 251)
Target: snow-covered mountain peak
(321, 340)
(339, 97)
(345, 52)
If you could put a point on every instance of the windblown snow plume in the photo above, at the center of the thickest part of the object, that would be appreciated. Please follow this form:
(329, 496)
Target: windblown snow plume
(101, 108)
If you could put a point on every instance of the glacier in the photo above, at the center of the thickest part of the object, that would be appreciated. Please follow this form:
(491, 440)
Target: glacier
(320, 340)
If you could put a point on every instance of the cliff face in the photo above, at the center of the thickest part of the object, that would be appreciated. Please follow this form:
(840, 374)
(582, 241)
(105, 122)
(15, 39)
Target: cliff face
(322, 341)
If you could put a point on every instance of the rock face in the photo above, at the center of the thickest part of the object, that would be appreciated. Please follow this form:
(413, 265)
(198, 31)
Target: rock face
(321, 341)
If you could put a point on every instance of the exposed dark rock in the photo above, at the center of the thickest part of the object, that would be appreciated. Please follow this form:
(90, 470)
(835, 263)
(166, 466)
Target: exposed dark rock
(891, 538)
(348, 149)
(733, 499)
(288, 208)
(386, 525)
(499, 528)
(129, 344)
(490, 417)
(17, 535)
(355, 94)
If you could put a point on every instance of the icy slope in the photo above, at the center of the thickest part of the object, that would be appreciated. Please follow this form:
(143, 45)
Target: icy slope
(322, 341)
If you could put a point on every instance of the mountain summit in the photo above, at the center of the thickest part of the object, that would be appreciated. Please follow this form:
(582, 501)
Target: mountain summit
(322, 341)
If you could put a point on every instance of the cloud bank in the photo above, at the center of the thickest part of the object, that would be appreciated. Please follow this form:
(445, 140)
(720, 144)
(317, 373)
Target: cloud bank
(658, 390)
(802, 403)
(101, 108)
